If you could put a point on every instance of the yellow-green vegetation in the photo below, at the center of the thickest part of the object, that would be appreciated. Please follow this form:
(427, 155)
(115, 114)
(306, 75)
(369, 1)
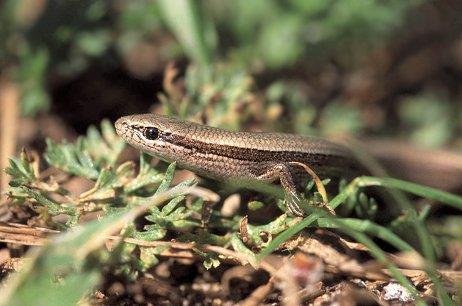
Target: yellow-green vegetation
(248, 63)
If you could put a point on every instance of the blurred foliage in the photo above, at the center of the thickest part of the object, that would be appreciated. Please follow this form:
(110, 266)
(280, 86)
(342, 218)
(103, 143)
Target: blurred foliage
(192, 30)
(276, 34)
(447, 228)
(228, 44)
(43, 38)
(227, 98)
(59, 273)
(63, 37)
(429, 120)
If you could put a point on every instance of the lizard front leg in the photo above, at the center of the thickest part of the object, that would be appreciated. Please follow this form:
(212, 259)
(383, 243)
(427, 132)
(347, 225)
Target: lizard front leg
(282, 172)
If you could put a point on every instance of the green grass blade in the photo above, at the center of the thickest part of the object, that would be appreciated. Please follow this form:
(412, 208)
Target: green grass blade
(378, 254)
(419, 226)
(187, 23)
(370, 228)
(447, 198)
(286, 235)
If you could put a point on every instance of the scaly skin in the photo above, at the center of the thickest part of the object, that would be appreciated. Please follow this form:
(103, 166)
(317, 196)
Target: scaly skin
(221, 155)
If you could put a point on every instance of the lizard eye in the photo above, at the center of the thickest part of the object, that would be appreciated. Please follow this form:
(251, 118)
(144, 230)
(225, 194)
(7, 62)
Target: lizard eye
(151, 133)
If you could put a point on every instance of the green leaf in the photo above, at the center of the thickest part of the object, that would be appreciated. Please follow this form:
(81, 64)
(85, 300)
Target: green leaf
(211, 261)
(146, 177)
(189, 25)
(197, 205)
(54, 208)
(254, 205)
(104, 187)
(104, 147)
(108, 182)
(151, 233)
(148, 257)
(167, 209)
(71, 159)
(239, 247)
(167, 178)
(274, 227)
(21, 172)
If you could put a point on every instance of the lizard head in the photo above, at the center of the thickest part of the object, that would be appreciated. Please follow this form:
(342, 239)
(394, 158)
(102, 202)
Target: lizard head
(155, 134)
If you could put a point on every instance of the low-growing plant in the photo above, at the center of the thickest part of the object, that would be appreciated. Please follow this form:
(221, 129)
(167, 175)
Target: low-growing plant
(123, 189)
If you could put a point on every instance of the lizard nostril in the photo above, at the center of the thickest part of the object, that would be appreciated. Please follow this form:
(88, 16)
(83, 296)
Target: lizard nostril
(120, 126)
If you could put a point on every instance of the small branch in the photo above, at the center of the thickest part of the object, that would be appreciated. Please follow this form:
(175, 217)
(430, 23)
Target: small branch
(36, 236)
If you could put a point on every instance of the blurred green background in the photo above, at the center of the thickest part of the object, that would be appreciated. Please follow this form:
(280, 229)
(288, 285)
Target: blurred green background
(369, 67)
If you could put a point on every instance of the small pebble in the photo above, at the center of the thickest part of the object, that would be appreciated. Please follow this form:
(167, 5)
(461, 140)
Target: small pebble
(394, 291)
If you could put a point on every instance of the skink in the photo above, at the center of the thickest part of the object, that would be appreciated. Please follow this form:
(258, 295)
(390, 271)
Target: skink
(224, 155)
